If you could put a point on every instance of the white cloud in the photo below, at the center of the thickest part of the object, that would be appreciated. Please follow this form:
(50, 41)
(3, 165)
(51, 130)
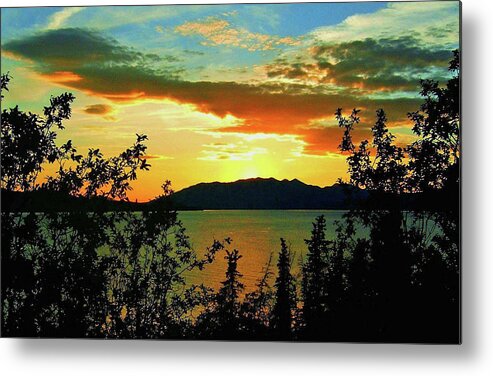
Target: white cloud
(230, 151)
(434, 23)
(58, 19)
(107, 17)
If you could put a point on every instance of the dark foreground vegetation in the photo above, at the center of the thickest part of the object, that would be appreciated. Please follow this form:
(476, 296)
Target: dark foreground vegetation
(120, 274)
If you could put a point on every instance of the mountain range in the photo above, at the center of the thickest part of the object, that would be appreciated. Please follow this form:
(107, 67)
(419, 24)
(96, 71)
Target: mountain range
(260, 193)
(257, 193)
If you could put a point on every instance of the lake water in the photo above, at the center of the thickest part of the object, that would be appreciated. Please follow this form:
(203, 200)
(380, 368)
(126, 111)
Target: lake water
(256, 234)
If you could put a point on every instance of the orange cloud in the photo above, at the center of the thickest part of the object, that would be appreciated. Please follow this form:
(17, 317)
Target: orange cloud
(207, 27)
(61, 77)
(217, 32)
(279, 109)
(151, 156)
(261, 109)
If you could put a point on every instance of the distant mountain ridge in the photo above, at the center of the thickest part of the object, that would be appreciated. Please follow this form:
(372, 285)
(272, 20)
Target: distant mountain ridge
(256, 193)
(265, 193)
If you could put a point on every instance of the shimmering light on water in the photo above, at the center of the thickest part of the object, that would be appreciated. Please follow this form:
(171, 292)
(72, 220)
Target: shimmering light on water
(256, 234)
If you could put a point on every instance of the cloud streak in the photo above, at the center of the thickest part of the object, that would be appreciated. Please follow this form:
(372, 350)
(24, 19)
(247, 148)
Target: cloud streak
(434, 23)
(104, 110)
(58, 19)
(98, 109)
(216, 32)
(63, 49)
(230, 151)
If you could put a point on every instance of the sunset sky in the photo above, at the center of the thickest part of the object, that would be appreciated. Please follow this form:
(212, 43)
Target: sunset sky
(226, 92)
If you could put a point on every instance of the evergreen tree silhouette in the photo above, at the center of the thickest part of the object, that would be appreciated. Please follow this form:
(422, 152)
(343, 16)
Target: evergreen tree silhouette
(282, 313)
(257, 306)
(314, 279)
(228, 297)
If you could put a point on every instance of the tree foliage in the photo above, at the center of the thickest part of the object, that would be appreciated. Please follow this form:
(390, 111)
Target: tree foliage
(79, 273)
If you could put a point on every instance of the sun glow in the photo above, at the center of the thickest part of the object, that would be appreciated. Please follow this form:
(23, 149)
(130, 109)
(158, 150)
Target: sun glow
(249, 172)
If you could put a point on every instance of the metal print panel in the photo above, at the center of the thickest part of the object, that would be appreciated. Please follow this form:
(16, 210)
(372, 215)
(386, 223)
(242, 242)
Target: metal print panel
(237, 172)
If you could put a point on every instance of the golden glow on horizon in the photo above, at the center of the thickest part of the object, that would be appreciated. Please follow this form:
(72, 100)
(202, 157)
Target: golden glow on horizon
(237, 102)
(249, 173)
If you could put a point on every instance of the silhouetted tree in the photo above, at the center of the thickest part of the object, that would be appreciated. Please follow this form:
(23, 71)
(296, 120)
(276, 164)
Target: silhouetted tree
(228, 297)
(285, 303)
(4, 83)
(403, 277)
(79, 273)
(222, 319)
(434, 156)
(257, 306)
(314, 278)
